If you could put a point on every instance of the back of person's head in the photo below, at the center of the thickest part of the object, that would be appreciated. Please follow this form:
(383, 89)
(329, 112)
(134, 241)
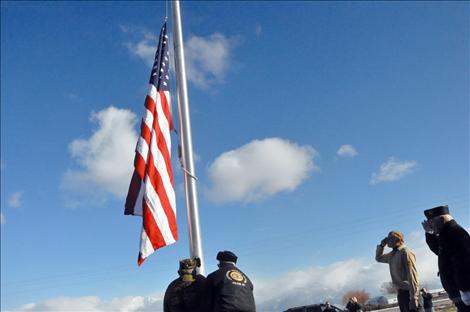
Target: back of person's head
(186, 269)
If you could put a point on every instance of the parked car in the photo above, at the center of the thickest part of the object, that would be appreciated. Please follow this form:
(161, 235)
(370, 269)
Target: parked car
(313, 308)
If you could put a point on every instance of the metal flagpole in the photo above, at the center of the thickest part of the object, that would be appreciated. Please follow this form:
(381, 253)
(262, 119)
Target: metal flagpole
(195, 244)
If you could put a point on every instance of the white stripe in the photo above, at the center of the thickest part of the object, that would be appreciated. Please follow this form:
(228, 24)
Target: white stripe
(158, 213)
(152, 92)
(163, 123)
(148, 118)
(159, 163)
(143, 148)
(146, 248)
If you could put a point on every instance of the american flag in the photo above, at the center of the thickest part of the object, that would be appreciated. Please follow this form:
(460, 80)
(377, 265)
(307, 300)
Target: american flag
(151, 192)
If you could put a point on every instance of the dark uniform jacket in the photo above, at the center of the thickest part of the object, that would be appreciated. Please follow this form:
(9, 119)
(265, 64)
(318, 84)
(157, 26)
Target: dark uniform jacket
(182, 296)
(228, 290)
(452, 246)
(427, 300)
(353, 306)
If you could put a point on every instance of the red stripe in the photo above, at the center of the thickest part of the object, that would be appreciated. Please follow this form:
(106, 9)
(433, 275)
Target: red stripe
(157, 183)
(150, 105)
(166, 109)
(139, 165)
(151, 228)
(162, 146)
(140, 260)
(145, 132)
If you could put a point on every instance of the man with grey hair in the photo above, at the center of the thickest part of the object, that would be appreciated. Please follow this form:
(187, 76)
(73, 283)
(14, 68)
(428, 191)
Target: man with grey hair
(402, 264)
(451, 243)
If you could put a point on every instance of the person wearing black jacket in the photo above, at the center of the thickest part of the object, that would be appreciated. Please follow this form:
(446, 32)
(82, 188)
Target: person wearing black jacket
(228, 289)
(186, 293)
(427, 300)
(451, 243)
(353, 305)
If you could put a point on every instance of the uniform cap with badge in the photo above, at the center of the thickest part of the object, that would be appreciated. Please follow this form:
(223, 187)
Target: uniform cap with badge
(436, 211)
(227, 256)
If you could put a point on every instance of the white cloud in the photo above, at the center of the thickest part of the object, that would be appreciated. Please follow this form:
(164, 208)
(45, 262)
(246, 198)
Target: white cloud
(93, 303)
(2, 218)
(260, 169)
(347, 150)
(145, 48)
(319, 283)
(14, 200)
(106, 158)
(392, 170)
(208, 59)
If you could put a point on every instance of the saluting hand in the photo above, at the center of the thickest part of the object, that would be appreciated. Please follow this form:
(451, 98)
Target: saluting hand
(427, 227)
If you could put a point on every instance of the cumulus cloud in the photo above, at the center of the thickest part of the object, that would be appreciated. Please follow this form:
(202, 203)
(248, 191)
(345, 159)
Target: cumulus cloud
(106, 158)
(144, 48)
(208, 59)
(93, 303)
(14, 200)
(259, 169)
(347, 150)
(319, 283)
(392, 170)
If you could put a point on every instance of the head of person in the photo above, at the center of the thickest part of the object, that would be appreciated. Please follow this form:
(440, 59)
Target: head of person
(424, 290)
(395, 239)
(353, 299)
(187, 269)
(437, 217)
(226, 256)
(327, 305)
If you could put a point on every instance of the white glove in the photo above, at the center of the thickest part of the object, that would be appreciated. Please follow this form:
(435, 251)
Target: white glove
(465, 295)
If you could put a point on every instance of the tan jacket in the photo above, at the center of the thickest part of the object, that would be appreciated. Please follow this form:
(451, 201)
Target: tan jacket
(402, 263)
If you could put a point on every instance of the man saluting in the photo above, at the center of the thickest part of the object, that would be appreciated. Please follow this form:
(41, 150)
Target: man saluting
(451, 243)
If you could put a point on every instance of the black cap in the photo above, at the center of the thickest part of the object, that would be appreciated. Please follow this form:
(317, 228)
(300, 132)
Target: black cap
(436, 211)
(227, 256)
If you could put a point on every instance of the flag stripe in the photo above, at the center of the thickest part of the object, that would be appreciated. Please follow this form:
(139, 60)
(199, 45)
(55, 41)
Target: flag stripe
(151, 192)
(158, 187)
(152, 230)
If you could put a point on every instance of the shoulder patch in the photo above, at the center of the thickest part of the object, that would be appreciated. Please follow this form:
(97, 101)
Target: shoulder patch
(236, 276)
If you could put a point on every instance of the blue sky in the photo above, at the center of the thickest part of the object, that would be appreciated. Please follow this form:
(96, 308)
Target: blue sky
(346, 119)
